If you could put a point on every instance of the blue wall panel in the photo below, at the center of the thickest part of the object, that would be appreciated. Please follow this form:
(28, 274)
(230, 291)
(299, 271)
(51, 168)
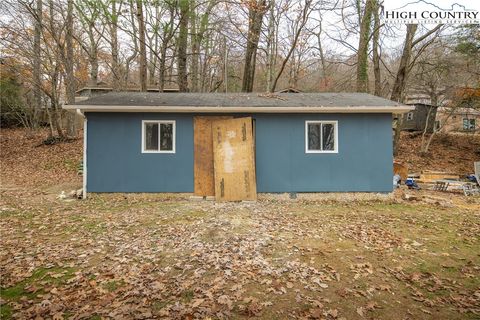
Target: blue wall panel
(363, 163)
(115, 162)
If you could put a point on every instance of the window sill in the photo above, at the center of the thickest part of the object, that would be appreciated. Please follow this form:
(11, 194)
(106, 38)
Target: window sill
(313, 151)
(147, 151)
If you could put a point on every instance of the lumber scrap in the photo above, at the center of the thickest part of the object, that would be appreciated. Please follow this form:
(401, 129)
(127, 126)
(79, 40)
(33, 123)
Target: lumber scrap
(432, 176)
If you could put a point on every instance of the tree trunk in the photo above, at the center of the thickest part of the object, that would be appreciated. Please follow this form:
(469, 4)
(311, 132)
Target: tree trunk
(161, 69)
(152, 63)
(204, 77)
(168, 33)
(400, 80)
(143, 51)
(182, 43)
(56, 122)
(362, 54)
(376, 54)
(402, 73)
(256, 11)
(195, 44)
(116, 78)
(225, 65)
(93, 60)
(70, 77)
(37, 64)
(271, 40)
(425, 144)
(323, 75)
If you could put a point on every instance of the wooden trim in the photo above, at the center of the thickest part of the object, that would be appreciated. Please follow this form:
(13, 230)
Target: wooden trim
(219, 109)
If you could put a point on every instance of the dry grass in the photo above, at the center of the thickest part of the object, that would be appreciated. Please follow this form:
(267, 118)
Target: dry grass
(146, 256)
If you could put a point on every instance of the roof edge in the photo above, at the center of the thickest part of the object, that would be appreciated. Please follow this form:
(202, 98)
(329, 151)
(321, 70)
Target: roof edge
(220, 109)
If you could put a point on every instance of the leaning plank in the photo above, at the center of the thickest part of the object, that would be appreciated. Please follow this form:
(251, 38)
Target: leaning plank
(234, 162)
(204, 182)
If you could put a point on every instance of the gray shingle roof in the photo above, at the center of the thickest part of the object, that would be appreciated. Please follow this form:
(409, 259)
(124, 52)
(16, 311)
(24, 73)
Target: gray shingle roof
(239, 103)
(154, 99)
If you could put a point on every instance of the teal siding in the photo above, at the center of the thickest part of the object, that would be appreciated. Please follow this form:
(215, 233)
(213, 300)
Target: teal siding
(363, 163)
(115, 162)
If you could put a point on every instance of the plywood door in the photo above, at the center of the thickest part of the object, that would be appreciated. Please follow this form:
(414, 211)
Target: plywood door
(234, 160)
(204, 183)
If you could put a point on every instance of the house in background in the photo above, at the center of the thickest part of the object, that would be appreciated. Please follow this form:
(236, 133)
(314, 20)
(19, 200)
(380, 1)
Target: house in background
(103, 88)
(232, 146)
(461, 113)
(422, 116)
(458, 120)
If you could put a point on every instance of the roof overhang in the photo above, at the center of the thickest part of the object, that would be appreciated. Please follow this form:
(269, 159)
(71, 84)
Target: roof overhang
(221, 109)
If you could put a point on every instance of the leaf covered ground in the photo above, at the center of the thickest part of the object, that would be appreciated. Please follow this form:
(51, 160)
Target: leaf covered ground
(145, 256)
(162, 256)
(454, 152)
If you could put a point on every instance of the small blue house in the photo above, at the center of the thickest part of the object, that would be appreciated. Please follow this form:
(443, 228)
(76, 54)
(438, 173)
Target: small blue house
(189, 142)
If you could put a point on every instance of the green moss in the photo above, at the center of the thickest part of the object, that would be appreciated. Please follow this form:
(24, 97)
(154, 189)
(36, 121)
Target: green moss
(113, 285)
(160, 304)
(40, 277)
(5, 311)
(187, 295)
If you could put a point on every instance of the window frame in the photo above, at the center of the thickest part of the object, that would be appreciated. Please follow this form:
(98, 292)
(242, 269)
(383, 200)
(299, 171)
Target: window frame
(335, 128)
(410, 116)
(159, 122)
(471, 124)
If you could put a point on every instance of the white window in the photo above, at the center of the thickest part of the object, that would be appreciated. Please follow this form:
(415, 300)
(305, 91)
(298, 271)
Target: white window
(158, 136)
(409, 116)
(469, 124)
(321, 136)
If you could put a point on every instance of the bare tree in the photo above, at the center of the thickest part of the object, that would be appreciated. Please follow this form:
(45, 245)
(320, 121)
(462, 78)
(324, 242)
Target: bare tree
(143, 50)
(256, 11)
(198, 33)
(88, 14)
(37, 62)
(182, 43)
(298, 25)
(272, 41)
(403, 69)
(110, 12)
(362, 53)
(375, 49)
(168, 29)
(400, 80)
(70, 77)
